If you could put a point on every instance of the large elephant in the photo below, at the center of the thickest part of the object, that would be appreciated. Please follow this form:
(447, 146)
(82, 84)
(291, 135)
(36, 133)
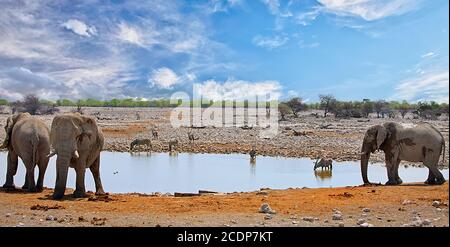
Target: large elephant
(28, 138)
(77, 141)
(418, 143)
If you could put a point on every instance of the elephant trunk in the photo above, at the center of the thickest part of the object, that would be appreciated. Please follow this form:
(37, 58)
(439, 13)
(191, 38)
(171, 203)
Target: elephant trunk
(62, 169)
(365, 155)
(65, 153)
(364, 165)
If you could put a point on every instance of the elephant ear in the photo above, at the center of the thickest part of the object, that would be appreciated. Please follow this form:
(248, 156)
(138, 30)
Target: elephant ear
(381, 135)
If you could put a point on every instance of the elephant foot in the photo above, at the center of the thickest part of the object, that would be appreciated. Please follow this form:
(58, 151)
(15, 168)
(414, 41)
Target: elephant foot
(440, 181)
(100, 192)
(32, 189)
(79, 194)
(399, 181)
(25, 187)
(392, 182)
(430, 181)
(39, 188)
(9, 186)
(58, 196)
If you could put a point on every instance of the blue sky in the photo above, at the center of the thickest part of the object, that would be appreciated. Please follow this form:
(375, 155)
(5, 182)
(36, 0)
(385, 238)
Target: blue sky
(354, 49)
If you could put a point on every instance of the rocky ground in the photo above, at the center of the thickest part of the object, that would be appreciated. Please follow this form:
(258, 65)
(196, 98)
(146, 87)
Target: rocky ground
(415, 205)
(306, 136)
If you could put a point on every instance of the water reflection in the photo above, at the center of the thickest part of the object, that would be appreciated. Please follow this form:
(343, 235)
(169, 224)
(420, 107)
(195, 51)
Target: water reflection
(183, 172)
(323, 174)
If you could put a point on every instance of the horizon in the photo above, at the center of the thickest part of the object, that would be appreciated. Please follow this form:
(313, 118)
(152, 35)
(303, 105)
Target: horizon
(391, 50)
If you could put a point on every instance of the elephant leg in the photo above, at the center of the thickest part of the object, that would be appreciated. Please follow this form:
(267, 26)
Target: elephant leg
(30, 175)
(25, 184)
(13, 161)
(397, 177)
(80, 190)
(95, 169)
(390, 172)
(431, 178)
(43, 163)
(431, 163)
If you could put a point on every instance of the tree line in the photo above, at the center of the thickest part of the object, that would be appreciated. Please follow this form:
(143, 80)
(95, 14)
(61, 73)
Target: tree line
(327, 103)
(361, 109)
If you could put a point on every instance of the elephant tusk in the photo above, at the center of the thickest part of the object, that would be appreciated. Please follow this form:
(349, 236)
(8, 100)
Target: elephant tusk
(51, 154)
(76, 155)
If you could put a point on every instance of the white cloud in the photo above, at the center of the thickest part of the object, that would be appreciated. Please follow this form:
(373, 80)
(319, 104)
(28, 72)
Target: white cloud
(238, 90)
(369, 10)
(129, 34)
(429, 54)
(163, 78)
(79, 27)
(431, 86)
(269, 42)
(273, 6)
(302, 44)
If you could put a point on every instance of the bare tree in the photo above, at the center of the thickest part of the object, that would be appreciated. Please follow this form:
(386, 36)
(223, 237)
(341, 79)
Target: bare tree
(380, 106)
(296, 105)
(31, 104)
(404, 108)
(328, 103)
(284, 110)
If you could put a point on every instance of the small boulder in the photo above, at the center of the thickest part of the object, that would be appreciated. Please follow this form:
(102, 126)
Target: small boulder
(436, 204)
(265, 208)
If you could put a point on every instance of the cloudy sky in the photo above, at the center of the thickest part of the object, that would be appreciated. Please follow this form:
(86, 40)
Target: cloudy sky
(354, 49)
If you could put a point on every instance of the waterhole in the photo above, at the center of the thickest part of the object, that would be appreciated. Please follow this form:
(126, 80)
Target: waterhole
(184, 172)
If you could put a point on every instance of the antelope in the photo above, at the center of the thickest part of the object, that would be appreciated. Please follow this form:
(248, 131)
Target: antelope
(140, 142)
(323, 163)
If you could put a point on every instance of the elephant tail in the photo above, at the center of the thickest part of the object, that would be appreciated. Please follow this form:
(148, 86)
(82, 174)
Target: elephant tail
(34, 145)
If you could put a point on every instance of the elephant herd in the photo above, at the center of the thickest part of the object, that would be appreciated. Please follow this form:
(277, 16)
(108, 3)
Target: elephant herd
(77, 141)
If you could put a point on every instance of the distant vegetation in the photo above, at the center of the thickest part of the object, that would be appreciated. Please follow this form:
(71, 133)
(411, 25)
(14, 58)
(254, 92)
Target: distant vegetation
(328, 103)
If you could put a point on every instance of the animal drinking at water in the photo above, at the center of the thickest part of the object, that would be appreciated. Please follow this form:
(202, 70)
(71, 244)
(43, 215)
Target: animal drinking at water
(323, 163)
(141, 142)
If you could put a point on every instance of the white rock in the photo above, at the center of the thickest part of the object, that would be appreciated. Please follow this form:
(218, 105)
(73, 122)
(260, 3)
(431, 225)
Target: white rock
(308, 219)
(366, 210)
(50, 218)
(436, 204)
(365, 224)
(337, 216)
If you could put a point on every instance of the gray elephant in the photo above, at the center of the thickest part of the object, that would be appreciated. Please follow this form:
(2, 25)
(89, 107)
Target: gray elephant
(28, 138)
(419, 143)
(77, 141)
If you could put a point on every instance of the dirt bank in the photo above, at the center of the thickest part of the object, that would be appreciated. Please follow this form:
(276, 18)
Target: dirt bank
(409, 204)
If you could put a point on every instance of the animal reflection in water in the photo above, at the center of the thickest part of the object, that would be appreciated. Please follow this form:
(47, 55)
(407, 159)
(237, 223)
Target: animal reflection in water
(323, 174)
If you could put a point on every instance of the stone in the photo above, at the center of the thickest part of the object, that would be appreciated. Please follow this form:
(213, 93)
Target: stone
(426, 222)
(294, 222)
(50, 218)
(436, 204)
(406, 202)
(265, 208)
(360, 221)
(366, 210)
(341, 224)
(365, 224)
(8, 215)
(268, 217)
(308, 219)
(337, 216)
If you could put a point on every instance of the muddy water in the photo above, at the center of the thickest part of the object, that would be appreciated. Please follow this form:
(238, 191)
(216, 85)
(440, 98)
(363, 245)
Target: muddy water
(161, 172)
